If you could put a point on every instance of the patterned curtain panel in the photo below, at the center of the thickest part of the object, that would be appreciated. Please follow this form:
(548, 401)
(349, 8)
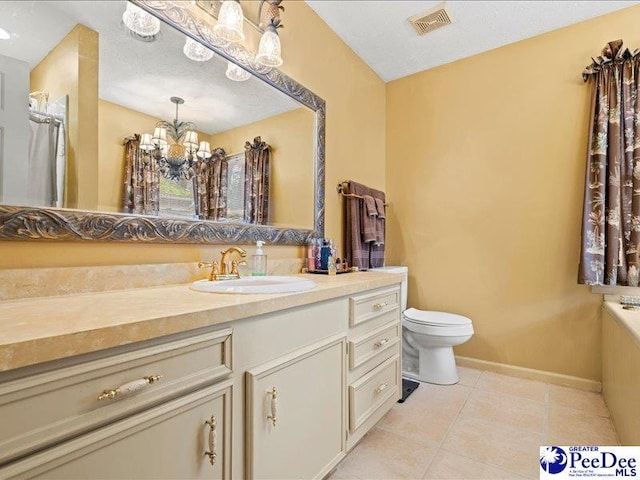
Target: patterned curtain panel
(256, 184)
(210, 186)
(611, 215)
(141, 180)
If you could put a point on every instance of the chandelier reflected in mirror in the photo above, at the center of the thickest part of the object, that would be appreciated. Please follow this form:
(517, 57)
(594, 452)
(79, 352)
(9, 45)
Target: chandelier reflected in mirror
(175, 147)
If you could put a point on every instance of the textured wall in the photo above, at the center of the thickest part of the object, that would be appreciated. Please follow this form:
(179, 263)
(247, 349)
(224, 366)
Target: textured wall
(485, 169)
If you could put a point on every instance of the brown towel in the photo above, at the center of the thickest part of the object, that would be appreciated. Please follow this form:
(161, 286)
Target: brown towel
(380, 207)
(363, 255)
(380, 221)
(369, 218)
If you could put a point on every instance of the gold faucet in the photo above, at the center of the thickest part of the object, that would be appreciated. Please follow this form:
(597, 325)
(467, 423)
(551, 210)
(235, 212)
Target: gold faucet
(220, 270)
(224, 263)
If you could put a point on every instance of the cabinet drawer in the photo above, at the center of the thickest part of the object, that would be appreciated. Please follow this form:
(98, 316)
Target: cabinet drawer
(368, 306)
(368, 393)
(168, 441)
(366, 347)
(65, 402)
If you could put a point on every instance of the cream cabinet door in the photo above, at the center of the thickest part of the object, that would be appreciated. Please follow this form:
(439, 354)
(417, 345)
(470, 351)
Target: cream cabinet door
(169, 441)
(295, 413)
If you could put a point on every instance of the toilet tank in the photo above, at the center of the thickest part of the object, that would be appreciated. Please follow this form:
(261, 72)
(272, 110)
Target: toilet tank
(403, 287)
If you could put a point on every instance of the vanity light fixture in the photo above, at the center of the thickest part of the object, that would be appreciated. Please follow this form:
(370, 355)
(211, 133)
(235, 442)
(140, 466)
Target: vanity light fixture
(236, 73)
(269, 51)
(230, 21)
(4, 35)
(140, 22)
(229, 27)
(174, 145)
(196, 51)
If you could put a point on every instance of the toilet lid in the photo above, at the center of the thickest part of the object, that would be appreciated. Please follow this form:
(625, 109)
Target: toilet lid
(428, 317)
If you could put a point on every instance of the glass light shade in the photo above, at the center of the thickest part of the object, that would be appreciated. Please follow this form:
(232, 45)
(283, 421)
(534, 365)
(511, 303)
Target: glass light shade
(269, 51)
(146, 143)
(160, 136)
(190, 140)
(204, 150)
(237, 74)
(196, 51)
(4, 35)
(139, 21)
(230, 22)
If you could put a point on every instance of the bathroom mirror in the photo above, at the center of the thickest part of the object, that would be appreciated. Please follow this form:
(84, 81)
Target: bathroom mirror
(89, 73)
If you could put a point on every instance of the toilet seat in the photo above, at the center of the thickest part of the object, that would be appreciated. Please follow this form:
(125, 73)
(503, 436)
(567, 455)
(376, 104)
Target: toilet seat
(433, 318)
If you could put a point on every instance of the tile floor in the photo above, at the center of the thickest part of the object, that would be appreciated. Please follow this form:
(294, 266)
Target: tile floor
(488, 426)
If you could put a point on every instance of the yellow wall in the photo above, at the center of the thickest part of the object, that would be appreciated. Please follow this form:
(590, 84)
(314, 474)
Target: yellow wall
(59, 73)
(290, 136)
(316, 57)
(485, 170)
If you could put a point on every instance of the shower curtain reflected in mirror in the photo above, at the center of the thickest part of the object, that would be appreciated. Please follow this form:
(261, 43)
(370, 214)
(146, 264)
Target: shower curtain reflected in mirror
(47, 159)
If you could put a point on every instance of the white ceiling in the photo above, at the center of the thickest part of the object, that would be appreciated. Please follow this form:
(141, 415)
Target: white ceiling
(378, 31)
(139, 75)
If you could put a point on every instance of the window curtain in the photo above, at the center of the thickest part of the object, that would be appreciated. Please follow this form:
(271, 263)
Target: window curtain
(611, 215)
(141, 180)
(256, 184)
(210, 184)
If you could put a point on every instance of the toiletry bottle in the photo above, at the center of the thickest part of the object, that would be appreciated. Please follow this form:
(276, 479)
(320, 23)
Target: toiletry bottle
(325, 253)
(311, 258)
(259, 261)
(331, 265)
(318, 257)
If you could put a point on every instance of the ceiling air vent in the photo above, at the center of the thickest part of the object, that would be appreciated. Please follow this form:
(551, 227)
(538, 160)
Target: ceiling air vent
(431, 20)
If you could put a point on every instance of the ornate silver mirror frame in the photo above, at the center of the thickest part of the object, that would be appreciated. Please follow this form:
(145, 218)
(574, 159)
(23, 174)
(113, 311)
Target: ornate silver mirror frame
(26, 223)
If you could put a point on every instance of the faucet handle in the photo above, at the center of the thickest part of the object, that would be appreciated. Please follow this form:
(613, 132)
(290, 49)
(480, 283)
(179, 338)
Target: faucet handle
(214, 269)
(234, 267)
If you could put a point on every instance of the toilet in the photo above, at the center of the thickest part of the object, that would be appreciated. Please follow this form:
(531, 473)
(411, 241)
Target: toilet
(428, 338)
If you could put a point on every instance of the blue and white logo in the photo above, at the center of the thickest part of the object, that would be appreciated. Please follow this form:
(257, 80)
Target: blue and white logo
(553, 459)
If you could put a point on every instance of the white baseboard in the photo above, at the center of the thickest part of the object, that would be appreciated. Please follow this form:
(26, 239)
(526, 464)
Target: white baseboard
(531, 374)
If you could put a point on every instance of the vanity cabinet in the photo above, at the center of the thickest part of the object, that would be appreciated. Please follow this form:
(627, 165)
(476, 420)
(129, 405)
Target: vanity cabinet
(295, 413)
(282, 394)
(374, 348)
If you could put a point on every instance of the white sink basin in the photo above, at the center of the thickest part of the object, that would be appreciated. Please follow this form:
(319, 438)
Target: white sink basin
(248, 285)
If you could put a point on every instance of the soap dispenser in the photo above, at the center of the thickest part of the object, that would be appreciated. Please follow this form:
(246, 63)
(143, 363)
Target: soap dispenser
(259, 261)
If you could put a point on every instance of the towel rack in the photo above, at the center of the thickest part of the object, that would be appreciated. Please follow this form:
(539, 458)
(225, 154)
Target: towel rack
(341, 188)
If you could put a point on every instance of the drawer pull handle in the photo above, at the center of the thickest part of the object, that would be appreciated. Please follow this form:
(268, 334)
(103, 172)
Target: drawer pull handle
(380, 388)
(129, 387)
(379, 306)
(212, 440)
(274, 406)
(380, 343)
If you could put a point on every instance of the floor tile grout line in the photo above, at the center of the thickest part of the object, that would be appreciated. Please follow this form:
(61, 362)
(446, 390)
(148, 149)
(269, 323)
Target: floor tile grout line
(455, 420)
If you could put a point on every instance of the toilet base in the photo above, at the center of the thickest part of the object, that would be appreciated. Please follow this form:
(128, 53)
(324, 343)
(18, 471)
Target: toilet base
(435, 365)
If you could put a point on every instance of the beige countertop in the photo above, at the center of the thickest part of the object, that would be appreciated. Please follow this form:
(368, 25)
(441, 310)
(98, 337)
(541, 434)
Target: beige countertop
(630, 319)
(42, 329)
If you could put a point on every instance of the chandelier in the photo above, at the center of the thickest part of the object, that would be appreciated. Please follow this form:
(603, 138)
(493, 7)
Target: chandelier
(174, 146)
(229, 27)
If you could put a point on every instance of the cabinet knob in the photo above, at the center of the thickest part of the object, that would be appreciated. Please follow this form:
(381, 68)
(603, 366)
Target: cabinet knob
(380, 343)
(380, 388)
(212, 440)
(129, 387)
(274, 406)
(379, 306)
